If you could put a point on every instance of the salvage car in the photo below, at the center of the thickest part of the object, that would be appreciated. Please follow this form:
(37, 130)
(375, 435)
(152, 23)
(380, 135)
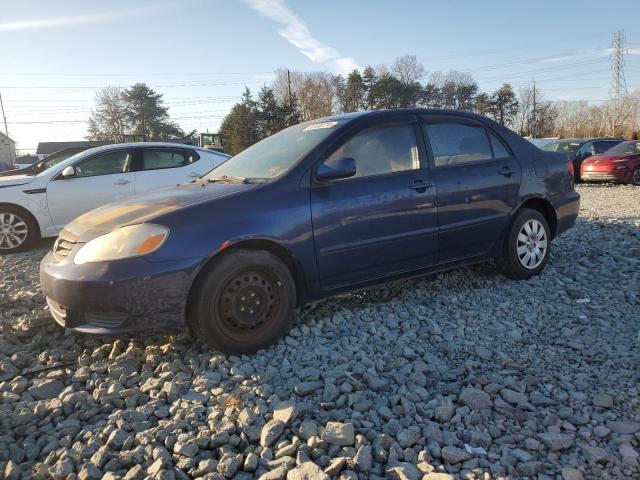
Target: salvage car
(324, 207)
(579, 149)
(40, 166)
(621, 164)
(37, 204)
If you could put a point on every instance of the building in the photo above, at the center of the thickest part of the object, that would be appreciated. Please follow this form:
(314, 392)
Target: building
(7, 152)
(47, 148)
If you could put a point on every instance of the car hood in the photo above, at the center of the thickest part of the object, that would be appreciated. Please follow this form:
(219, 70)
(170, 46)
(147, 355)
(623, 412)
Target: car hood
(146, 207)
(18, 179)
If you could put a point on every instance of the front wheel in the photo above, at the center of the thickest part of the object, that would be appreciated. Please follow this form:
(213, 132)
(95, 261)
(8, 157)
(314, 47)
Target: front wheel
(18, 230)
(527, 247)
(243, 302)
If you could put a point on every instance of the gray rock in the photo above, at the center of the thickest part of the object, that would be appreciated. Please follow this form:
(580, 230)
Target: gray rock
(44, 388)
(556, 441)
(89, 472)
(270, 432)
(307, 471)
(475, 399)
(341, 434)
(569, 473)
(602, 400)
(285, 412)
(363, 460)
(187, 449)
(308, 429)
(404, 471)
(454, 455)
(624, 427)
(229, 464)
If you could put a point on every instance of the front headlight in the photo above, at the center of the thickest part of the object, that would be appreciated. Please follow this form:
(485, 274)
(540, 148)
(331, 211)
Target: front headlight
(125, 242)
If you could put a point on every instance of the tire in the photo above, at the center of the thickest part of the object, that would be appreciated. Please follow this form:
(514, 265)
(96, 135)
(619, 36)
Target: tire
(635, 177)
(221, 308)
(18, 230)
(524, 259)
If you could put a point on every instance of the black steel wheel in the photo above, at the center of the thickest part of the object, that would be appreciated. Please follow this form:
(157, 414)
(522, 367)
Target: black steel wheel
(635, 177)
(243, 302)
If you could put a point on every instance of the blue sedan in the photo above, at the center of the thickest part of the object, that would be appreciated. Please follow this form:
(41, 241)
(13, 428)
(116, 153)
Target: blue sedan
(321, 208)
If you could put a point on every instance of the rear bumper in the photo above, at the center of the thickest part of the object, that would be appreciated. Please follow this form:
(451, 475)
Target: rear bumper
(132, 296)
(567, 207)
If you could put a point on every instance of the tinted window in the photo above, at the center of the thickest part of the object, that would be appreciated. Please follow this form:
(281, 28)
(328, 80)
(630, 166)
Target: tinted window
(153, 159)
(587, 148)
(499, 149)
(381, 150)
(603, 146)
(456, 143)
(108, 163)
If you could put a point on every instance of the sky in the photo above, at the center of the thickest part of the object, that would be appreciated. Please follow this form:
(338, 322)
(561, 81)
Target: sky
(200, 54)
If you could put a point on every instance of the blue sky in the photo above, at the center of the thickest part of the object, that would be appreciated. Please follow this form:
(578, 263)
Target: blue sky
(201, 53)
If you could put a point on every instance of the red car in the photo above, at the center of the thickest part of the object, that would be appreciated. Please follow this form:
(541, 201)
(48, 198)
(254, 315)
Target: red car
(619, 164)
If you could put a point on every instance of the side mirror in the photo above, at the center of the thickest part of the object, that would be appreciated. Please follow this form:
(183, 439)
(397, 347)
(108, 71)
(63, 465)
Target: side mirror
(336, 168)
(68, 172)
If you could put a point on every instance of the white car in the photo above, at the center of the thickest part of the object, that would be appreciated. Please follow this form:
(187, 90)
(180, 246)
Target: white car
(39, 206)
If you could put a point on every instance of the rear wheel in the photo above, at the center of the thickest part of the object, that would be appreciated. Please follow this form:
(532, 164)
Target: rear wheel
(18, 230)
(527, 247)
(635, 177)
(243, 302)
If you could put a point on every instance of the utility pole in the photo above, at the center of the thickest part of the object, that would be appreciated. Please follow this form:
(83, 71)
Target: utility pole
(533, 128)
(289, 82)
(4, 117)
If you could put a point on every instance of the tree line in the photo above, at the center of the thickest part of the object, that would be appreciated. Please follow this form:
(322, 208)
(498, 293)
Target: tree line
(297, 96)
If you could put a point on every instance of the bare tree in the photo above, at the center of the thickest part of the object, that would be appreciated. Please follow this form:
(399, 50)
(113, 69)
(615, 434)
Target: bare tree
(108, 121)
(408, 70)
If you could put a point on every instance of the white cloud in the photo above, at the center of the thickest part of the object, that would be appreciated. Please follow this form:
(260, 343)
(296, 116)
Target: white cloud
(83, 19)
(296, 32)
(600, 52)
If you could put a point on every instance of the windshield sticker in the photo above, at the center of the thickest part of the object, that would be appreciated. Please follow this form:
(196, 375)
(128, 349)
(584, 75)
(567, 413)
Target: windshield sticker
(319, 126)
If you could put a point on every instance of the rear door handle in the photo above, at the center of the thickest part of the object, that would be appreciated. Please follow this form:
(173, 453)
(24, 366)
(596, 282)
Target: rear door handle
(420, 186)
(122, 181)
(507, 172)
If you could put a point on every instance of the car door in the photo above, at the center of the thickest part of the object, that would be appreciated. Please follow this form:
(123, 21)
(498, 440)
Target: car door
(381, 221)
(602, 146)
(160, 167)
(478, 180)
(98, 179)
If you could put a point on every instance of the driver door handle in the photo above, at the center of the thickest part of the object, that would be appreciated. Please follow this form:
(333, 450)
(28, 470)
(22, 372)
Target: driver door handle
(420, 186)
(122, 181)
(507, 172)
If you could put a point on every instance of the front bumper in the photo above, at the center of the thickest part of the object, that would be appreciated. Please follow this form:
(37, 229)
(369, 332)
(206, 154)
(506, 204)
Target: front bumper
(611, 176)
(132, 296)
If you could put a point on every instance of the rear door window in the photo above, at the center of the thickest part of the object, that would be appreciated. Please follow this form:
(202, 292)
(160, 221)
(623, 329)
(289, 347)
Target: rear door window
(603, 146)
(458, 143)
(160, 158)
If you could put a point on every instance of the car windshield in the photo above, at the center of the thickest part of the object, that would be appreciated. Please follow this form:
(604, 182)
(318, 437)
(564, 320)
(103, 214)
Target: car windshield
(274, 155)
(625, 147)
(564, 147)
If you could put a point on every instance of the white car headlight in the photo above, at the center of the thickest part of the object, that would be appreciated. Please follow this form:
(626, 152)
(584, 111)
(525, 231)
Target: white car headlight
(125, 242)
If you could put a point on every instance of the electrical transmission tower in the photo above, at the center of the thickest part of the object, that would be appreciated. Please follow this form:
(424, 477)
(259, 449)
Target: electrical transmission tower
(618, 91)
(618, 82)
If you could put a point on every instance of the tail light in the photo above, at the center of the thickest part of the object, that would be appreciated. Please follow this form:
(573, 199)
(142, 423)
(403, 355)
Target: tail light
(571, 171)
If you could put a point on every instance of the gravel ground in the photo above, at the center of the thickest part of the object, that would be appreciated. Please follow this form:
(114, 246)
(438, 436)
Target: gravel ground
(459, 375)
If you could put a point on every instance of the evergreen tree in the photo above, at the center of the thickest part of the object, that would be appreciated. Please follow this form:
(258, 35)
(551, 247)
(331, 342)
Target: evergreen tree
(146, 114)
(239, 129)
(505, 104)
(369, 78)
(353, 99)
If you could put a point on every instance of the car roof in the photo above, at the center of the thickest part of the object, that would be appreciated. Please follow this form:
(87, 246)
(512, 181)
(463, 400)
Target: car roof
(396, 111)
(113, 146)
